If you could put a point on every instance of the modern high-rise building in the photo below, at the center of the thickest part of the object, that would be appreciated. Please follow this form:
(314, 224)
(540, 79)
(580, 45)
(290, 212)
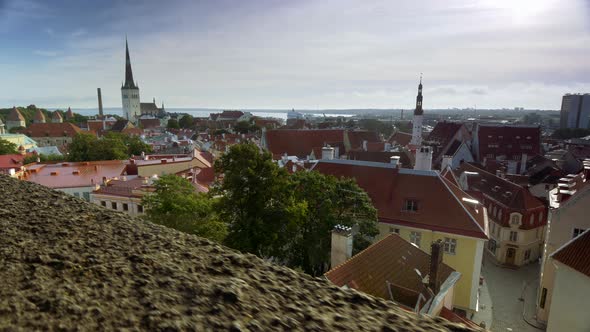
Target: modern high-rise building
(575, 111)
(130, 92)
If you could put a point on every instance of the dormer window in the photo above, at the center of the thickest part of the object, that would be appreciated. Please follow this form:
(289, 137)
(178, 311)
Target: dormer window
(411, 205)
(515, 219)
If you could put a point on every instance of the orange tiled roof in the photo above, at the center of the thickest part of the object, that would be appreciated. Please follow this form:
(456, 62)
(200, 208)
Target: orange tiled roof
(441, 204)
(400, 138)
(392, 260)
(52, 130)
(15, 115)
(9, 161)
(72, 175)
(576, 253)
(39, 116)
(301, 142)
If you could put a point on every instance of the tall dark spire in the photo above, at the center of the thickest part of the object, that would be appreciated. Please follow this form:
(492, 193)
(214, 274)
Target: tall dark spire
(129, 83)
(418, 110)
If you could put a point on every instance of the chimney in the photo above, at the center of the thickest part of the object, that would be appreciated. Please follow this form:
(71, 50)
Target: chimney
(447, 161)
(394, 160)
(423, 159)
(100, 114)
(365, 145)
(436, 258)
(523, 163)
(327, 153)
(500, 173)
(387, 147)
(341, 245)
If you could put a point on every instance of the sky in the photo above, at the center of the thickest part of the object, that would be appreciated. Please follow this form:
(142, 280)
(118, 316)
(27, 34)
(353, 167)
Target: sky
(302, 54)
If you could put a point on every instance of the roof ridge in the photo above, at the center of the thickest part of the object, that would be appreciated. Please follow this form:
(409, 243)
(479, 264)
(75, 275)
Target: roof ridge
(579, 237)
(444, 181)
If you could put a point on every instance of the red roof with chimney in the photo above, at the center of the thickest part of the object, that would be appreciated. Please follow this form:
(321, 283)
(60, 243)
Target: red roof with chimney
(73, 175)
(576, 253)
(400, 138)
(392, 260)
(511, 141)
(357, 137)
(8, 161)
(15, 115)
(503, 194)
(52, 130)
(301, 142)
(442, 206)
(447, 137)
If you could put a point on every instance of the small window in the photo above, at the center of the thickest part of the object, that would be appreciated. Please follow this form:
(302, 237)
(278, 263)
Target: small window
(114, 205)
(415, 238)
(513, 236)
(543, 298)
(394, 230)
(515, 219)
(77, 195)
(103, 203)
(527, 254)
(578, 231)
(125, 207)
(86, 196)
(411, 205)
(532, 220)
(140, 209)
(450, 245)
(541, 217)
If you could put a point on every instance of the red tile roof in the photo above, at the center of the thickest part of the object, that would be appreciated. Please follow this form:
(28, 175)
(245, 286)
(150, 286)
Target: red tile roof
(15, 115)
(301, 142)
(441, 204)
(72, 175)
(400, 138)
(8, 161)
(149, 123)
(56, 115)
(123, 187)
(447, 137)
(96, 125)
(39, 116)
(510, 141)
(576, 253)
(357, 137)
(231, 114)
(406, 158)
(392, 260)
(52, 130)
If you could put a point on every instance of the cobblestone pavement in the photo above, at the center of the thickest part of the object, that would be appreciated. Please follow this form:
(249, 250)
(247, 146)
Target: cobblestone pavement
(512, 291)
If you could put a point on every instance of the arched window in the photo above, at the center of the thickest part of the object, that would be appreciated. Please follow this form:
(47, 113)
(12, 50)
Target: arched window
(541, 216)
(532, 221)
(515, 219)
(495, 212)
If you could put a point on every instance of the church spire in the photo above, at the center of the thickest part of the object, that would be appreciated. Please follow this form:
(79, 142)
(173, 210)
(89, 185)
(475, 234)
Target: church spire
(418, 110)
(129, 83)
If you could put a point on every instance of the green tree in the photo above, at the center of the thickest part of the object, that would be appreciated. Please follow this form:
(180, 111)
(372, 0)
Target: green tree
(187, 121)
(245, 127)
(175, 204)
(7, 147)
(43, 158)
(330, 201)
(173, 124)
(256, 201)
(134, 144)
(81, 147)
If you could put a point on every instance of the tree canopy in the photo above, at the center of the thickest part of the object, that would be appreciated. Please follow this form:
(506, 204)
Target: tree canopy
(113, 146)
(175, 204)
(173, 124)
(7, 147)
(187, 121)
(288, 217)
(246, 127)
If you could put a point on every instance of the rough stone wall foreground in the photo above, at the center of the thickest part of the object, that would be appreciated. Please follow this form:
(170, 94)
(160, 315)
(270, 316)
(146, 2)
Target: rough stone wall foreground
(67, 264)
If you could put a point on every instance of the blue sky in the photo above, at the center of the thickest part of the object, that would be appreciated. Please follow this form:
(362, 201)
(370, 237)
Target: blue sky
(304, 54)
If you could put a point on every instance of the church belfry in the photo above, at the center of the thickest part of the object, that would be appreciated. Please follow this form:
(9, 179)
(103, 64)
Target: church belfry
(418, 118)
(130, 91)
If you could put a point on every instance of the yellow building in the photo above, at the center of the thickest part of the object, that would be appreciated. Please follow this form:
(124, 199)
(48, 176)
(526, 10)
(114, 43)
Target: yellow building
(422, 206)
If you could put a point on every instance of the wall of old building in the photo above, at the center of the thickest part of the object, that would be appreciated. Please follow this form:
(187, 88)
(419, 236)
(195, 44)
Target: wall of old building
(569, 311)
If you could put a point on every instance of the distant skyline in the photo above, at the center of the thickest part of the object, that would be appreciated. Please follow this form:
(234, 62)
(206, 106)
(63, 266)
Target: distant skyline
(302, 54)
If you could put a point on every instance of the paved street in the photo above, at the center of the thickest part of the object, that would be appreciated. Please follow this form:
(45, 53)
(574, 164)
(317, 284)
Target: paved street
(506, 290)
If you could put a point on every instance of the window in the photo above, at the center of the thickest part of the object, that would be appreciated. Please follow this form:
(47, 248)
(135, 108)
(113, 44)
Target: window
(543, 298)
(450, 245)
(492, 246)
(411, 205)
(86, 196)
(114, 205)
(541, 217)
(527, 254)
(513, 236)
(494, 212)
(394, 230)
(500, 214)
(77, 195)
(515, 219)
(415, 238)
(125, 207)
(103, 203)
(139, 209)
(578, 231)
(532, 220)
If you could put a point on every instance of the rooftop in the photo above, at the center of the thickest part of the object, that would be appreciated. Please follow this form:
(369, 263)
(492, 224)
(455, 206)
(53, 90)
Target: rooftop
(75, 265)
(64, 129)
(73, 175)
(576, 253)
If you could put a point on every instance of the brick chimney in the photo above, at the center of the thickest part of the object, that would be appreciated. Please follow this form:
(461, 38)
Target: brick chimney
(447, 161)
(394, 160)
(436, 258)
(423, 159)
(341, 245)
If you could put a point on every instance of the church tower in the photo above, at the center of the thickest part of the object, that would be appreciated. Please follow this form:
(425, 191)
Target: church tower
(418, 118)
(130, 91)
